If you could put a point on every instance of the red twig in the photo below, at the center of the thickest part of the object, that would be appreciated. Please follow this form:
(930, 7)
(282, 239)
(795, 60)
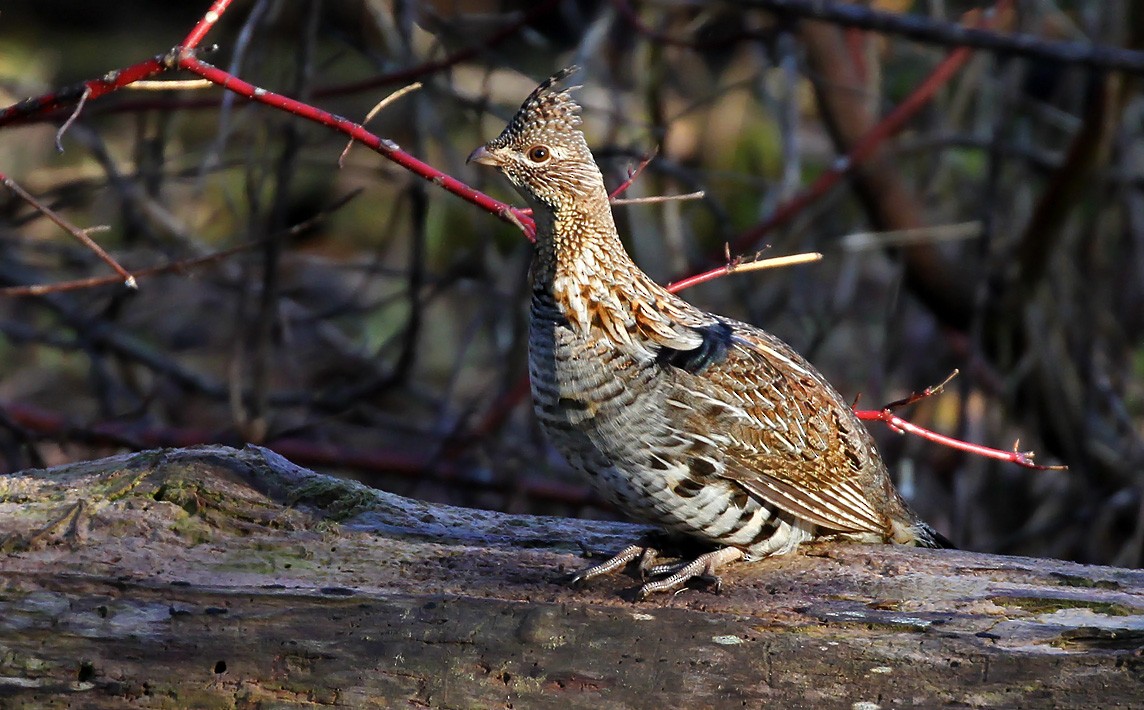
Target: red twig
(740, 263)
(205, 24)
(43, 108)
(34, 108)
(710, 275)
(37, 107)
(1021, 458)
(385, 147)
(633, 176)
(915, 397)
(184, 58)
(886, 415)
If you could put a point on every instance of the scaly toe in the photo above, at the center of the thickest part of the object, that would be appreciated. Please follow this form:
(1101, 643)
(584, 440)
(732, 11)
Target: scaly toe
(619, 561)
(702, 568)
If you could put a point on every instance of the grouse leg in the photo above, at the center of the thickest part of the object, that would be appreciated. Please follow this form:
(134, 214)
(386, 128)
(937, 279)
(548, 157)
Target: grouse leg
(619, 561)
(702, 566)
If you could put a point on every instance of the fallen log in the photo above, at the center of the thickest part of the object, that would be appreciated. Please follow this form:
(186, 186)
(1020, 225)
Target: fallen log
(215, 577)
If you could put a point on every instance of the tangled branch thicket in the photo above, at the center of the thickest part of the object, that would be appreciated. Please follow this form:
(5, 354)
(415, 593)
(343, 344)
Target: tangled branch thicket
(357, 318)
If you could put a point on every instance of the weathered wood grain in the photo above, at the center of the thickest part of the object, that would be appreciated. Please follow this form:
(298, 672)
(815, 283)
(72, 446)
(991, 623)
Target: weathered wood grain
(212, 577)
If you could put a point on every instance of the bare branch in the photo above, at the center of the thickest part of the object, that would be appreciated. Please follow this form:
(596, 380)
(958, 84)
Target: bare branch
(738, 264)
(376, 110)
(72, 118)
(79, 234)
(169, 85)
(951, 34)
(697, 195)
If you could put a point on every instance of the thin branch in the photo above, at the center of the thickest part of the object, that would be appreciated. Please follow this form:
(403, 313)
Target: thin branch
(951, 34)
(740, 264)
(697, 195)
(862, 241)
(896, 423)
(867, 145)
(915, 397)
(36, 108)
(79, 234)
(175, 266)
(72, 118)
(385, 147)
(632, 175)
(376, 110)
(169, 85)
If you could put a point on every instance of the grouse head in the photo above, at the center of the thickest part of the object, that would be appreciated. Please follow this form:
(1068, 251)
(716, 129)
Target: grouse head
(543, 152)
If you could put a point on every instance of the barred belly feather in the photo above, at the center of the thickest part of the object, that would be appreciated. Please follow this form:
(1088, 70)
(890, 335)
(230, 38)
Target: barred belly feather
(613, 419)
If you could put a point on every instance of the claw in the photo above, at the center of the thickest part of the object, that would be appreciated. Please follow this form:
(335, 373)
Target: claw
(714, 581)
(647, 562)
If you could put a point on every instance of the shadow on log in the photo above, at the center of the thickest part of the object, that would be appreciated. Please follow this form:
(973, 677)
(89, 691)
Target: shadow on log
(213, 577)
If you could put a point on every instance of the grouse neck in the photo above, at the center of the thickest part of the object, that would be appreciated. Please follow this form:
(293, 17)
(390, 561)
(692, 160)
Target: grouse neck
(580, 246)
(583, 270)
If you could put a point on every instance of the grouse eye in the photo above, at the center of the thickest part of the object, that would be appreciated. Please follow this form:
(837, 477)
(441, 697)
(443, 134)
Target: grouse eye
(538, 154)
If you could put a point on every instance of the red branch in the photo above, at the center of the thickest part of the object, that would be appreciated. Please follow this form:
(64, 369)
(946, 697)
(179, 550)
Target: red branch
(633, 176)
(205, 24)
(35, 108)
(886, 414)
(42, 108)
(386, 148)
(726, 269)
(184, 58)
(32, 109)
(1021, 458)
(869, 143)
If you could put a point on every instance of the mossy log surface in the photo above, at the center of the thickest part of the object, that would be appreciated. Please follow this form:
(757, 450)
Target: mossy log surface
(213, 577)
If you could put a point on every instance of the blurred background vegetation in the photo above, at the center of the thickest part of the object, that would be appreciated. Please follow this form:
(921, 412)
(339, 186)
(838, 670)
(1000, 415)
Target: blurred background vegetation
(364, 322)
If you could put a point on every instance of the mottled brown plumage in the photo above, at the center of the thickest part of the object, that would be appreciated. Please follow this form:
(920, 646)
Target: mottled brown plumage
(711, 428)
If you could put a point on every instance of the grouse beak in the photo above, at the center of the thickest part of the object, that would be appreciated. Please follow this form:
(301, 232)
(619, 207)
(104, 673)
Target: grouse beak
(483, 156)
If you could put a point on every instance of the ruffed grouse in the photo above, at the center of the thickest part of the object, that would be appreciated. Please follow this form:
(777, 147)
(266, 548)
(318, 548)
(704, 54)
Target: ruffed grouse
(711, 428)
